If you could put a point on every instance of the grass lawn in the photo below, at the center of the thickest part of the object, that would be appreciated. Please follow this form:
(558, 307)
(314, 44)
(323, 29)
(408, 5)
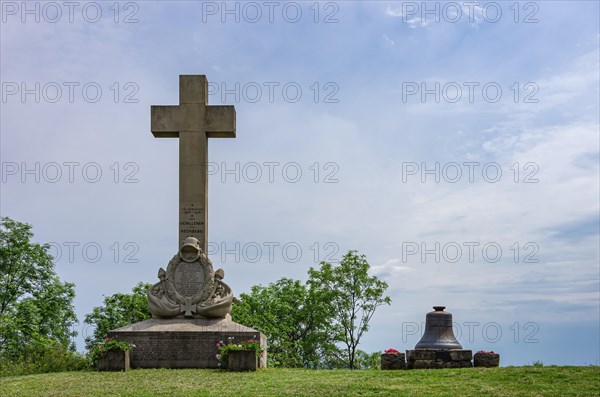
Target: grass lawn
(510, 381)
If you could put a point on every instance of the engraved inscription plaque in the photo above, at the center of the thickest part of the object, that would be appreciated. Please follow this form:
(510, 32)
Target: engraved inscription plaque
(191, 221)
(189, 278)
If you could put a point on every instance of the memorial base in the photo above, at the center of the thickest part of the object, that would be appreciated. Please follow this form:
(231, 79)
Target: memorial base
(183, 343)
(433, 358)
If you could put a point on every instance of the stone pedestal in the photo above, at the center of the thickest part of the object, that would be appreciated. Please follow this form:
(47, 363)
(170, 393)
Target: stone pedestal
(114, 360)
(433, 358)
(488, 360)
(242, 360)
(183, 343)
(393, 361)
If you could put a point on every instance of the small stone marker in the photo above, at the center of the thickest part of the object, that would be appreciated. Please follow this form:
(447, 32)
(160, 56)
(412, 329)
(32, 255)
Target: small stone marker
(390, 361)
(486, 359)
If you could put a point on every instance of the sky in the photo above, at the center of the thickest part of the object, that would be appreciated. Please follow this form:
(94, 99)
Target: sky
(455, 144)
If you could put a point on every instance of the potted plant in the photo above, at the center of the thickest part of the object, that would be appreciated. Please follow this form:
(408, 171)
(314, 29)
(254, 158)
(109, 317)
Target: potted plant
(240, 356)
(111, 355)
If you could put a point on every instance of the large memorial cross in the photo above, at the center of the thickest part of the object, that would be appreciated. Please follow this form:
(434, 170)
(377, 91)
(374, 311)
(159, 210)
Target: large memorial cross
(193, 122)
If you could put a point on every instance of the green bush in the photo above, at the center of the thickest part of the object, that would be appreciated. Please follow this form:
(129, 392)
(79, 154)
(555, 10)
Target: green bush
(41, 357)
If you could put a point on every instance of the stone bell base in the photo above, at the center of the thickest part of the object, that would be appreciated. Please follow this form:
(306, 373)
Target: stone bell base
(432, 358)
(182, 343)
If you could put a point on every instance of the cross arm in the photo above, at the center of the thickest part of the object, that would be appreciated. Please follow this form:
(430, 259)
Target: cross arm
(220, 121)
(165, 121)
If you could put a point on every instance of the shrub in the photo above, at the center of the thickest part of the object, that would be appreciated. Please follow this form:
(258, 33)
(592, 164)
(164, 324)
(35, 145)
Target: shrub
(41, 357)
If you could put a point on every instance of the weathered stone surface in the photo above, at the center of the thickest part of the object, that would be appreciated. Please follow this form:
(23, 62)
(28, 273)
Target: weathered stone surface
(451, 364)
(182, 343)
(193, 122)
(189, 288)
(114, 360)
(460, 355)
(431, 359)
(242, 360)
(393, 361)
(426, 364)
(486, 360)
(466, 364)
(422, 354)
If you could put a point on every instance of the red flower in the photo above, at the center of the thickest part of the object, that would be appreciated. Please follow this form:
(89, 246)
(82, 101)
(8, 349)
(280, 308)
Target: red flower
(484, 352)
(391, 350)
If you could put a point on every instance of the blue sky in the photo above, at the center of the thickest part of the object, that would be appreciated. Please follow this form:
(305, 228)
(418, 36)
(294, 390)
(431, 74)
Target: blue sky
(481, 193)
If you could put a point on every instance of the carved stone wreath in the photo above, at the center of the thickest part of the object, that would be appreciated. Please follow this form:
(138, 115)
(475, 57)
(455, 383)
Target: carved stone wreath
(192, 282)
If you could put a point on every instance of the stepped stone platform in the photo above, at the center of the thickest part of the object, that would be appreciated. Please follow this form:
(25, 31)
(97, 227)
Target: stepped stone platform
(182, 343)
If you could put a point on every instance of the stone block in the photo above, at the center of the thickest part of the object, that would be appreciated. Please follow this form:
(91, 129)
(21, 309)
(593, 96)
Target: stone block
(466, 364)
(461, 355)
(242, 360)
(436, 358)
(393, 361)
(452, 364)
(422, 354)
(443, 355)
(426, 364)
(487, 360)
(114, 360)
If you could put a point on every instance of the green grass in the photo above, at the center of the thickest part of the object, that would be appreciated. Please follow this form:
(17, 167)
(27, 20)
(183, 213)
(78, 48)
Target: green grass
(510, 381)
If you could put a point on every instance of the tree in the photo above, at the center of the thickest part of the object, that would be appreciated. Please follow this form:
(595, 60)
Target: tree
(118, 311)
(36, 308)
(351, 295)
(364, 360)
(294, 323)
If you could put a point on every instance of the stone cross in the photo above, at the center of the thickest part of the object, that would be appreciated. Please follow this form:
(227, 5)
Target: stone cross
(188, 307)
(193, 122)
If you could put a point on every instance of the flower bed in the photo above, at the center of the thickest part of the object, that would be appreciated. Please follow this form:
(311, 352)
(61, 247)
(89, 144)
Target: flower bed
(392, 359)
(111, 355)
(240, 356)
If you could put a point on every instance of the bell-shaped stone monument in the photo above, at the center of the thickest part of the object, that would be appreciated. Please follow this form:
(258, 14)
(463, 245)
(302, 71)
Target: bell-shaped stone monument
(190, 304)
